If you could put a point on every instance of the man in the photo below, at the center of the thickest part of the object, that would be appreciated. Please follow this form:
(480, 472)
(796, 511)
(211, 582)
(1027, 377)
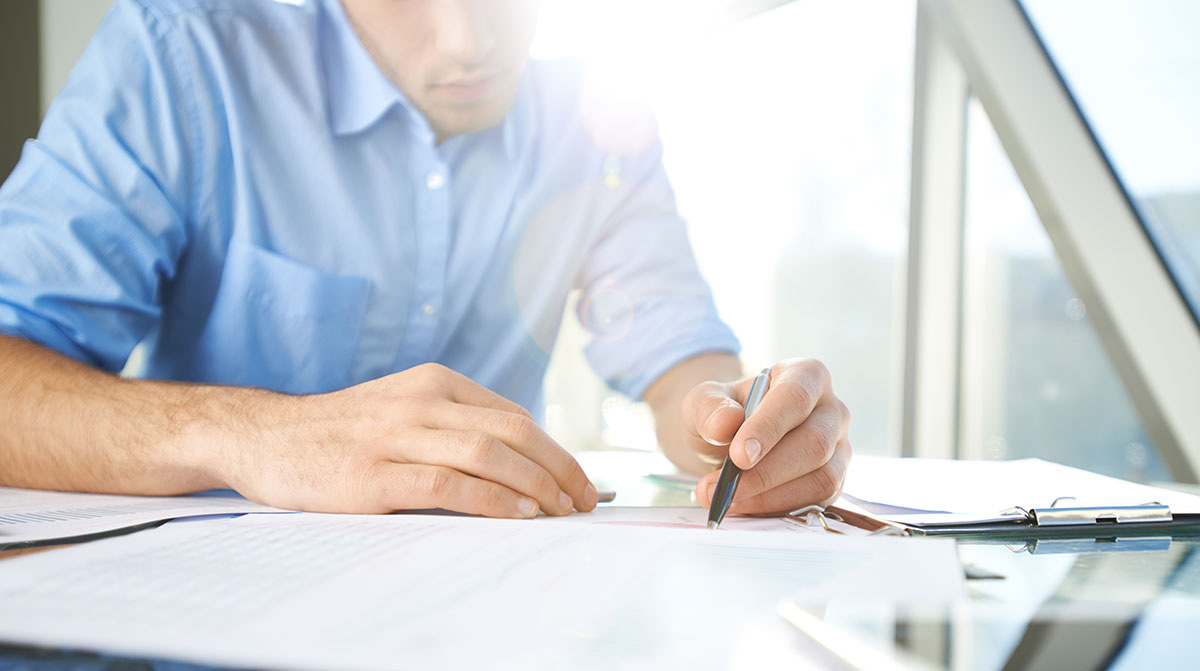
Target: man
(345, 232)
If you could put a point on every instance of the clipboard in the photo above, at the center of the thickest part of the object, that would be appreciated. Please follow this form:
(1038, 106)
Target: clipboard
(1149, 520)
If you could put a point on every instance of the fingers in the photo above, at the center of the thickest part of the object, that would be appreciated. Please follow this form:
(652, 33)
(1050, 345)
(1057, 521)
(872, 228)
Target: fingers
(821, 487)
(800, 452)
(794, 390)
(542, 463)
(711, 415)
(462, 389)
(483, 456)
(418, 486)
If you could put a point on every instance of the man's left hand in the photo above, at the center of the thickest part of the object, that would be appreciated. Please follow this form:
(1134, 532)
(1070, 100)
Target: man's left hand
(793, 449)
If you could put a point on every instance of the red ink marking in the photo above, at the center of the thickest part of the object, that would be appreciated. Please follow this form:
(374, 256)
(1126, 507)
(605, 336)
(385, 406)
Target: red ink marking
(683, 525)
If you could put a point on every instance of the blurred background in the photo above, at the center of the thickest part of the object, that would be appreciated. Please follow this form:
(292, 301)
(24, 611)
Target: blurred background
(788, 138)
(788, 130)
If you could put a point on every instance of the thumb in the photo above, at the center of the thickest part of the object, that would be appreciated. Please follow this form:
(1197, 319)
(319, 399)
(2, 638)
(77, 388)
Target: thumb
(711, 414)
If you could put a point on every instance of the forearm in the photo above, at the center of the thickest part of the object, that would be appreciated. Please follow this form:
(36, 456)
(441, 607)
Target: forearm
(426, 437)
(666, 397)
(68, 426)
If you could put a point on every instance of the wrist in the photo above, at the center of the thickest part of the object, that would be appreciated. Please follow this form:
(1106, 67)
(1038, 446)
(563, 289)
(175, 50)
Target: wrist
(219, 430)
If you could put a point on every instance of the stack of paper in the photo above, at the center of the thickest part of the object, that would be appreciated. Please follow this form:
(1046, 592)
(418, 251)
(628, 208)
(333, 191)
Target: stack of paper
(696, 518)
(28, 515)
(312, 591)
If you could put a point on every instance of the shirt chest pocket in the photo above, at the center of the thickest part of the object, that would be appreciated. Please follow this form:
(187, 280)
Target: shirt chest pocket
(283, 325)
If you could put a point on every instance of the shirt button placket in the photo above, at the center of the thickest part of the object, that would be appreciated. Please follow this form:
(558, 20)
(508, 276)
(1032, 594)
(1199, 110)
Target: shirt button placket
(433, 246)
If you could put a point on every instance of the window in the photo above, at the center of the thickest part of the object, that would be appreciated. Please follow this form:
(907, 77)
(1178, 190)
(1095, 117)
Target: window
(1133, 69)
(1036, 381)
(786, 138)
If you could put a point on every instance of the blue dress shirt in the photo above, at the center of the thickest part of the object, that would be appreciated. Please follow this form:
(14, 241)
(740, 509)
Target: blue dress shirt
(236, 184)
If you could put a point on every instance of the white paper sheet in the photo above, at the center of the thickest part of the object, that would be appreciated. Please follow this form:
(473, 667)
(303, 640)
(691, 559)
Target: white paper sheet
(420, 591)
(697, 519)
(34, 515)
(896, 486)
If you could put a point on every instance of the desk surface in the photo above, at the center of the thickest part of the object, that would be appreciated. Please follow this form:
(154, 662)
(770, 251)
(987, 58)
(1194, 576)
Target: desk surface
(1050, 605)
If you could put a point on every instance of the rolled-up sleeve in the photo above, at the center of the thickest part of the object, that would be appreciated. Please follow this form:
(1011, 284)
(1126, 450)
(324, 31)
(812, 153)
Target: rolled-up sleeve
(644, 302)
(92, 219)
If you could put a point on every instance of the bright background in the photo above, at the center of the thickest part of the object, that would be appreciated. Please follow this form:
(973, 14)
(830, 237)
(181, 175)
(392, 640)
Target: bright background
(787, 136)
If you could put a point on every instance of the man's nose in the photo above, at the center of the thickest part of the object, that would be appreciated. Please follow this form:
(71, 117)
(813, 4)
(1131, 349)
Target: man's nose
(465, 30)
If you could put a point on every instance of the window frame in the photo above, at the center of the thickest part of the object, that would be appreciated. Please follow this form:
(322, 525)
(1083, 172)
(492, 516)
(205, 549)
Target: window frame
(1139, 313)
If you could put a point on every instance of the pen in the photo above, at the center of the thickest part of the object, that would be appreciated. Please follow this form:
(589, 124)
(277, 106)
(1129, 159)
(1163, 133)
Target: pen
(730, 474)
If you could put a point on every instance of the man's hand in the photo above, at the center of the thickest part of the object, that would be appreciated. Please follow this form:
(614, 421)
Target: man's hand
(793, 449)
(424, 438)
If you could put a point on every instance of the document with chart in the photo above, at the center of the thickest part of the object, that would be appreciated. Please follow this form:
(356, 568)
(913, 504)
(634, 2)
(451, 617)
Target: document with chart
(31, 515)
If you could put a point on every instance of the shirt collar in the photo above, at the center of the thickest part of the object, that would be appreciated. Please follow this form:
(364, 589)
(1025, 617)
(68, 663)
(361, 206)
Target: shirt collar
(358, 92)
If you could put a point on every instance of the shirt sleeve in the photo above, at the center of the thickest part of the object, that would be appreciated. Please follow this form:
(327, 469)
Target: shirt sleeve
(92, 219)
(644, 303)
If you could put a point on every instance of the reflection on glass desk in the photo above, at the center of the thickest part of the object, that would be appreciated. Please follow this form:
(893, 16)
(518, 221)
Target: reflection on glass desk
(1107, 605)
(1044, 604)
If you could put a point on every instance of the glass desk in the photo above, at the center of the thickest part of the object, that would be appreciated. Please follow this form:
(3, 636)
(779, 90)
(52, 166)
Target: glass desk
(1049, 604)
(1107, 605)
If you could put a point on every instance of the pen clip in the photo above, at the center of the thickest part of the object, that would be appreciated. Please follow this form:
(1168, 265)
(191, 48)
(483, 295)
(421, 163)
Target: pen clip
(757, 390)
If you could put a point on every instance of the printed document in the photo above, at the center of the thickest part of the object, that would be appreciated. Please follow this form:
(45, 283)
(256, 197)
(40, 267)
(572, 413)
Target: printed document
(313, 591)
(33, 515)
(696, 518)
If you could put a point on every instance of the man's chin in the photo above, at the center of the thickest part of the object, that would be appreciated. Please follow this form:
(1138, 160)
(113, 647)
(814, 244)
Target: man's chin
(462, 119)
(467, 126)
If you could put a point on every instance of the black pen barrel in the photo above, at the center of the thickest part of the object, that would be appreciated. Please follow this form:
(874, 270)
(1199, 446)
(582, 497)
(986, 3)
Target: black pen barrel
(723, 492)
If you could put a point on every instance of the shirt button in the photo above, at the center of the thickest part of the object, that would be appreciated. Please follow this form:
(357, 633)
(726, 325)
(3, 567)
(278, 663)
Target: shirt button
(435, 180)
(428, 309)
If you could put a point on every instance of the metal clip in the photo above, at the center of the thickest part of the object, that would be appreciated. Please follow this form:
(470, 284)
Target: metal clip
(1018, 509)
(1054, 516)
(808, 512)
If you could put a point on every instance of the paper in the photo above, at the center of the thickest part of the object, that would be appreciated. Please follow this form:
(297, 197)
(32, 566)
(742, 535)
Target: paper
(697, 519)
(312, 591)
(33, 515)
(898, 486)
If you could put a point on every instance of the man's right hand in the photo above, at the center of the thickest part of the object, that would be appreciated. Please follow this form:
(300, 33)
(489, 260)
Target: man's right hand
(427, 437)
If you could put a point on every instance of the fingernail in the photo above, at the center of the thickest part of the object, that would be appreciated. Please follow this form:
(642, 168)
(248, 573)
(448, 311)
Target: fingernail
(704, 429)
(753, 450)
(709, 491)
(564, 502)
(712, 442)
(528, 507)
(591, 495)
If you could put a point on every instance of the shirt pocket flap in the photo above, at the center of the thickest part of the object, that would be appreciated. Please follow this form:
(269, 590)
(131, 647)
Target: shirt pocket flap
(281, 324)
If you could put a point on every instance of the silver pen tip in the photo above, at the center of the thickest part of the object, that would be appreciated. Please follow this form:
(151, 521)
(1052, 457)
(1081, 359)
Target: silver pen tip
(713, 525)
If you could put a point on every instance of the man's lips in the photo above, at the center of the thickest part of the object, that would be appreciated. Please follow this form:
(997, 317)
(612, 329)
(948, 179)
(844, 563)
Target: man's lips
(471, 81)
(469, 88)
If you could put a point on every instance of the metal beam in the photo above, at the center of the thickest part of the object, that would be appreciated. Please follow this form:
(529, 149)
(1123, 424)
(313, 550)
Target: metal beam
(933, 328)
